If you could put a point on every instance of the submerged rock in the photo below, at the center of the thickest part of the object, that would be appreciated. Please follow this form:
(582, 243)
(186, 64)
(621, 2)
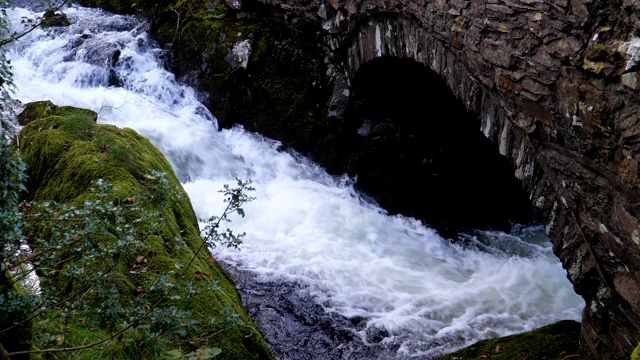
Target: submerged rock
(52, 18)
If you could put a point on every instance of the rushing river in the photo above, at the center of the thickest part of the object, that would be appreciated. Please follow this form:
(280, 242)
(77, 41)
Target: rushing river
(328, 273)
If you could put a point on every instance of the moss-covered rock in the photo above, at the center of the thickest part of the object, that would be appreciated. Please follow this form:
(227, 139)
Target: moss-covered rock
(278, 91)
(66, 151)
(559, 341)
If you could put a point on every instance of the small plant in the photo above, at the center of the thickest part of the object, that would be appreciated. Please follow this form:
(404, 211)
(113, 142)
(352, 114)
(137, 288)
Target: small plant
(235, 198)
(80, 254)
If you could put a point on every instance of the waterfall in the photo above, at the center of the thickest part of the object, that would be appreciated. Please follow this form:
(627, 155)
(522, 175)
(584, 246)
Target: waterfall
(383, 282)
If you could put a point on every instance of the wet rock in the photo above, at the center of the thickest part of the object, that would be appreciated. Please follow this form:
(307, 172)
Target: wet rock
(297, 330)
(94, 51)
(52, 18)
(114, 79)
(239, 55)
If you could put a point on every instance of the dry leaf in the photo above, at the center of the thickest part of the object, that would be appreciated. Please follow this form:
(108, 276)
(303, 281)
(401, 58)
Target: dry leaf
(24, 206)
(130, 201)
(59, 340)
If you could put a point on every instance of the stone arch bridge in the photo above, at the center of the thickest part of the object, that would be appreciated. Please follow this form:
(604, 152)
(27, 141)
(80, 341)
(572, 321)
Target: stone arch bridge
(555, 86)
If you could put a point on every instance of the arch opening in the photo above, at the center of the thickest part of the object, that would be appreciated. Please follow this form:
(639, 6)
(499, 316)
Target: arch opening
(418, 152)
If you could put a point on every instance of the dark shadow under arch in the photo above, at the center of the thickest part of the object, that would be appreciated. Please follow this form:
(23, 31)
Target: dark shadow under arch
(418, 152)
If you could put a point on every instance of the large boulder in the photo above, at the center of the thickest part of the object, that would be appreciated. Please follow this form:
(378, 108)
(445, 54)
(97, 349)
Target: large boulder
(66, 151)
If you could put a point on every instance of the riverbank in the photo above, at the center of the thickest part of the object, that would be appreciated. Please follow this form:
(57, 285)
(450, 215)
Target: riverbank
(559, 341)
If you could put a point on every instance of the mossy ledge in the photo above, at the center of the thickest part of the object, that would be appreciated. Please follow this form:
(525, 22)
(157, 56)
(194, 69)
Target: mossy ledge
(66, 150)
(278, 92)
(559, 341)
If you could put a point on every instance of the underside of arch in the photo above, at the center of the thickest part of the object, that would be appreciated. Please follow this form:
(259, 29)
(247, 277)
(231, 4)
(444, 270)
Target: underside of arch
(419, 152)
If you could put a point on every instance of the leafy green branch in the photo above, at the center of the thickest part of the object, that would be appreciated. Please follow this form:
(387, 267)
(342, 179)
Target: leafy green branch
(104, 216)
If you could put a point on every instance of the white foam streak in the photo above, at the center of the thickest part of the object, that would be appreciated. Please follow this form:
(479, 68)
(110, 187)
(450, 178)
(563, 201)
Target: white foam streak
(305, 225)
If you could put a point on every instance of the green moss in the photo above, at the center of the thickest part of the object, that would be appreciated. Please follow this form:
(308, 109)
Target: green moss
(558, 341)
(636, 353)
(66, 151)
(58, 331)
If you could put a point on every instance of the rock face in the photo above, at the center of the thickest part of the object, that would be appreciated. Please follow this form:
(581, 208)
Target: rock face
(553, 85)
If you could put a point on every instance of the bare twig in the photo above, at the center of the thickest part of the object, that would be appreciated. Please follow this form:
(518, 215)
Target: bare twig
(4, 355)
(175, 34)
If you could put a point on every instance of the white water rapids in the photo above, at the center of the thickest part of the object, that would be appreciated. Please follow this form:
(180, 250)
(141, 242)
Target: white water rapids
(305, 226)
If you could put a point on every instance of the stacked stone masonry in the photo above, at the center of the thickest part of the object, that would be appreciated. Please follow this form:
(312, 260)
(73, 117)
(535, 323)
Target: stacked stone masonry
(555, 85)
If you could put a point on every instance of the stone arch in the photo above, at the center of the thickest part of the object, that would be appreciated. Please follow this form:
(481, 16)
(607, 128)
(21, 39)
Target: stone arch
(403, 37)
